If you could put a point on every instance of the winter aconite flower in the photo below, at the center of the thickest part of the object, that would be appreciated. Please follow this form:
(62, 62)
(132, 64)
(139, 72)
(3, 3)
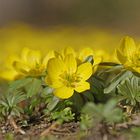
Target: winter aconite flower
(8, 72)
(129, 54)
(31, 62)
(65, 76)
(82, 55)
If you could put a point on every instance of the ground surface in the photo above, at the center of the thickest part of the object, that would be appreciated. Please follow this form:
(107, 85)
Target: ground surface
(71, 131)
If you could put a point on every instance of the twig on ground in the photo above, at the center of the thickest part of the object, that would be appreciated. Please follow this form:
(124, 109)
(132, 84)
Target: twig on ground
(47, 131)
(14, 125)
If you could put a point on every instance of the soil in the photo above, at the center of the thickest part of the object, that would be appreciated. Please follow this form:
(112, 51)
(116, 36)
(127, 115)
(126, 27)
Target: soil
(34, 130)
(70, 131)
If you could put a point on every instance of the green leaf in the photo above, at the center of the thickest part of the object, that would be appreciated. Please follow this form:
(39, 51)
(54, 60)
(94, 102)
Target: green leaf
(97, 89)
(103, 112)
(53, 103)
(129, 89)
(115, 81)
(9, 104)
(88, 96)
(115, 68)
(109, 106)
(19, 84)
(19, 98)
(34, 87)
(114, 116)
(78, 101)
(46, 91)
(109, 64)
(64, 115)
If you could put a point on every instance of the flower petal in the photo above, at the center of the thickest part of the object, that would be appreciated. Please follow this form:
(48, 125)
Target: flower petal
(54, 83)
(120, 56)
(55, 68)
(82, 86)
(97, 60)
(63, 92)
(126, 50)
(8, 74)
(33, 58)
(71, 64)
(85, 70)
(24, 54)
(69, 50)
(84, 53)
(49, 55)
(21, 67)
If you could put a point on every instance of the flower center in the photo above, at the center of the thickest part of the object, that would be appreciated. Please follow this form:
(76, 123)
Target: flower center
(37, 69)
(70, 80)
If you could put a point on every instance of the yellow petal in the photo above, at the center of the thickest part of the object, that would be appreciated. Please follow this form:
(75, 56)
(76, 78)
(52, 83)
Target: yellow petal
(136, 69)
(94, 68)
(55, 68)
(49, 55)
(20, 67)
(34, 58)
(85, 70)
(63, 92)
(97, 60)
(8, 75)
(84, 53)
(24, 54)
(71, 64)
(127, 49)
(69, 50)
(82, 86)
(10, 60)
(120, 56)
(54, 83)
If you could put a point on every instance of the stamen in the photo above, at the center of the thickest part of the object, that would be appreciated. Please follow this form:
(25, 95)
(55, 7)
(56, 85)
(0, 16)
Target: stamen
(70, 80)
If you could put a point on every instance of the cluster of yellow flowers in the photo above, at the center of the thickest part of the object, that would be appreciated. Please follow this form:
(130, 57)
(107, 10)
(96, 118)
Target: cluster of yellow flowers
(65, 71)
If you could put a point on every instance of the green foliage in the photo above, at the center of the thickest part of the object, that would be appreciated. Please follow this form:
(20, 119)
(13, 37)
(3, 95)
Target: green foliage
(50, 100)
(31, 88)
(95, 113)
(34, 87)
(64, 115)
(86, 121)
(129, 90)
(31, 85)
(53, 103)
(97, 89)
(114, 82)
(47, 95)
(9, 104)
(18, 84)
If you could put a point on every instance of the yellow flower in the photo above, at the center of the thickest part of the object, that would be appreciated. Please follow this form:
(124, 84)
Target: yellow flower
(129, 54)
(65, 76)
(8, 72)
(31, 62)
(67, 51)
(82, 55)
(85, 52)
